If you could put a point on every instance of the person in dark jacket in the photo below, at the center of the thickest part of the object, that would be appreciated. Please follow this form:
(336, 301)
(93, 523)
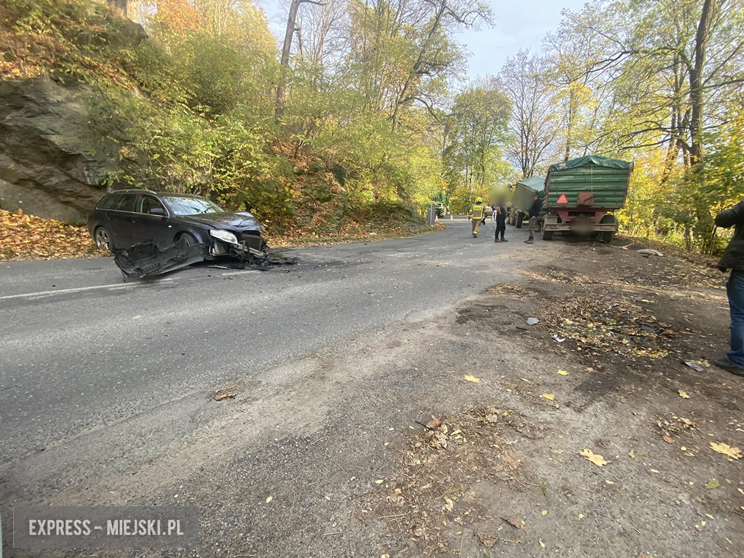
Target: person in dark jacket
(534, 213)
(499, 212)
(733, 259)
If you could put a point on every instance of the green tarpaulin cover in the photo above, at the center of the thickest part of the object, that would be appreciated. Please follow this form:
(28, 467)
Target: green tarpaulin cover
(536, 183)
(592, 160)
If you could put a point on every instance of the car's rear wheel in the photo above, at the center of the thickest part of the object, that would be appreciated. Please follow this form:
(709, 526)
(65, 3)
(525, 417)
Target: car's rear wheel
(102, 237)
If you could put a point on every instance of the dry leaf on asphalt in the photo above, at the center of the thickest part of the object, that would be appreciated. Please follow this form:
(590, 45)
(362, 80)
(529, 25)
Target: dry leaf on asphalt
(489, 540)
(683, 394)
(548, 396)
(725, 449)
(713, 483)
(515, 521)
(562, 372)
(269, 499)
(597, 459)
(469, 378)
(434, 423)
(667, 439)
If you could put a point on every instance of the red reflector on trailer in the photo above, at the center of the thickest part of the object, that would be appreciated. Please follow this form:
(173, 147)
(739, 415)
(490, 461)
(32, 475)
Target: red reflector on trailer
(562, 199)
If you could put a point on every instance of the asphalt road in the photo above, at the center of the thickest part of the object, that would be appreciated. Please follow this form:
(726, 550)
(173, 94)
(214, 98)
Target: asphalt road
(80, 349)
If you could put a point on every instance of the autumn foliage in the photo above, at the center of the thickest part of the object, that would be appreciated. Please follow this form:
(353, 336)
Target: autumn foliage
(25, 237)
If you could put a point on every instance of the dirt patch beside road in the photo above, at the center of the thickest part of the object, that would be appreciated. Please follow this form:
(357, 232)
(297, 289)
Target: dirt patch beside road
(607, 443)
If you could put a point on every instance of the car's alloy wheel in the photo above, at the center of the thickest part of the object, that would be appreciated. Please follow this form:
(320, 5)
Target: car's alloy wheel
(103, 239)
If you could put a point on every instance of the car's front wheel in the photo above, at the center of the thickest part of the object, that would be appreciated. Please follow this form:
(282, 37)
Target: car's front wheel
(190, 239)
(102, 237)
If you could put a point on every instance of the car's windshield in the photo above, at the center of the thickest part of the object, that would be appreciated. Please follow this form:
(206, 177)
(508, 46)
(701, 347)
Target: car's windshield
(183, 205)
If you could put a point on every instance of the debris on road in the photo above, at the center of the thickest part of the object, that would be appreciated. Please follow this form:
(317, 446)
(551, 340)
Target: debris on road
(695, 366)
(147, 260)
(532, 321)
(224, 394)
(646, 252)
(557, 338)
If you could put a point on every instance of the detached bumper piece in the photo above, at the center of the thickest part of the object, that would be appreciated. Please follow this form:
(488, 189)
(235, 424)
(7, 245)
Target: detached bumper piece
(147, 260)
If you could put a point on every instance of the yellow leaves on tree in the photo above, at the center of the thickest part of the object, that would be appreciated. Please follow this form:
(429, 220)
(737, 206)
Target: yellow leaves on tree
(178, 16)
(25, 237)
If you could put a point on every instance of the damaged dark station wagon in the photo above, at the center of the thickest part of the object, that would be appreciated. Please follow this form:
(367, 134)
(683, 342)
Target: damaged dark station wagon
(125, 218)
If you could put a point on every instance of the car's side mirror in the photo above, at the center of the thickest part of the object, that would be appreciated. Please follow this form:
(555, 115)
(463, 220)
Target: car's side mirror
(157, 211)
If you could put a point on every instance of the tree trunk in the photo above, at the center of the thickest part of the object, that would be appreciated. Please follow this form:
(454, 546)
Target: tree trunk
(696, 81)
(286, 47)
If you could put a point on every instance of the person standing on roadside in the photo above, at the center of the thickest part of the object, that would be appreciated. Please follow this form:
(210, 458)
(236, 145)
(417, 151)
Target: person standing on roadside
(477, 213)
(533, 213)
(733, 259)
(500, 213)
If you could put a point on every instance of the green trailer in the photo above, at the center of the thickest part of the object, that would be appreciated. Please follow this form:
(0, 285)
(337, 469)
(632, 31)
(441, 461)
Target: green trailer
(522, 198)
(580, 195)
(441, 202)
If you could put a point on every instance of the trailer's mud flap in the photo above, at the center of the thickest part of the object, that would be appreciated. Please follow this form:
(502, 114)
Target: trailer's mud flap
(147, 260)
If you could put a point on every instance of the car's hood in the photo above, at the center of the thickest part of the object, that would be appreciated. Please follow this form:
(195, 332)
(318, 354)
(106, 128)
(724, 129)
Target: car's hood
(242, 221)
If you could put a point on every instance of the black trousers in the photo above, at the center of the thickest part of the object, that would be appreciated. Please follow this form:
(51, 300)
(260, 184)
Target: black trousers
(500, 228)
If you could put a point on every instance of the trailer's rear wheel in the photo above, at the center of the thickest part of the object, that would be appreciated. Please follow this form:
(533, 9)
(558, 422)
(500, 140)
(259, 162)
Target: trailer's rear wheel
(607, 236)
(547, 235)
(520, 219)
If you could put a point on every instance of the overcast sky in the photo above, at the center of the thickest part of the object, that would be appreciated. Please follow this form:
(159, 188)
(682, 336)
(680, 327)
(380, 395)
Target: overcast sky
(518, 24)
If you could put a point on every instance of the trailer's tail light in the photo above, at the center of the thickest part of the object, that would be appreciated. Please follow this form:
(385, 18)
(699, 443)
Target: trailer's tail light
(562, 199)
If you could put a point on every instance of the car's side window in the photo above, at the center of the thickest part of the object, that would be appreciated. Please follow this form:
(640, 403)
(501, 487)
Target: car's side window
(125, 203)
(109, 201)
(148, 203)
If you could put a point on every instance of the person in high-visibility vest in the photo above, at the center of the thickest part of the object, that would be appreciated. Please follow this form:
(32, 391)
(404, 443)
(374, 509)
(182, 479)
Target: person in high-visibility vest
(476, 214)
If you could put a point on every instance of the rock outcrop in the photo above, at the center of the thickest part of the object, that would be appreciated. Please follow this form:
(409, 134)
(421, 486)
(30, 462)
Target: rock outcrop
(51, 164)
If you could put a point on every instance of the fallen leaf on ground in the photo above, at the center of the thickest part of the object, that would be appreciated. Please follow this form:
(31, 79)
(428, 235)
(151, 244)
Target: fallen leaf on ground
(489, 540)
(269, 499)
(562, 372)
(683, 394)
(598, 460)
(713, 483)
(548, 396)
(469, 378)
(379, 481)
(434, 423)
(725, 449)
(515, 521)
(667, 439)
(224, 394)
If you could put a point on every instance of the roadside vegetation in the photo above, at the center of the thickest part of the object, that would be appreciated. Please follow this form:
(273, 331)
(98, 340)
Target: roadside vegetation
(366, 109)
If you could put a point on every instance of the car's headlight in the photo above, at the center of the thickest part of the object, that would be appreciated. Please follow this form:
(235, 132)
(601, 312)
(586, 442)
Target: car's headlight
(225, 236)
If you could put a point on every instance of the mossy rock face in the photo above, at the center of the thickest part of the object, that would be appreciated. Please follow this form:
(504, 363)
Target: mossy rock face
(52, 163)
